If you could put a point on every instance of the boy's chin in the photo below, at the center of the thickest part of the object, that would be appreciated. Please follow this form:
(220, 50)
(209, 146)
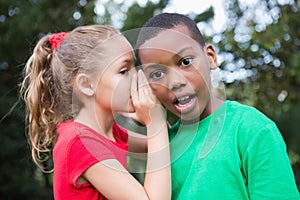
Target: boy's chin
(192, 115)
(189, 118)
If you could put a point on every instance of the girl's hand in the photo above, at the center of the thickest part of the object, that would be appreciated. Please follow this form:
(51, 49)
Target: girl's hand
(150, 112)
(147, 108)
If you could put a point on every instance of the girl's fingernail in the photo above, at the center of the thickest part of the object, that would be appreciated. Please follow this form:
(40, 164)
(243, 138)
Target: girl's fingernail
(138, 68)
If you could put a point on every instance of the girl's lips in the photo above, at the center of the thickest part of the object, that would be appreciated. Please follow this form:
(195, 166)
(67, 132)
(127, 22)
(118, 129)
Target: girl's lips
(185, 103)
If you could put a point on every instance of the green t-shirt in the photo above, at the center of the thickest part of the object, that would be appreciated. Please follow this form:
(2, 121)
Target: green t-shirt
(235, 153)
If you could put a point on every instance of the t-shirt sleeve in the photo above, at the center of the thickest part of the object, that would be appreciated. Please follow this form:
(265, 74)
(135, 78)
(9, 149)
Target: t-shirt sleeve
(266, 165)
(83, 152)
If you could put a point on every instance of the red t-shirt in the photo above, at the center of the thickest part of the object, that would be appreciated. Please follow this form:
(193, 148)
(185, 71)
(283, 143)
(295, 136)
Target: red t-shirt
(79, 147)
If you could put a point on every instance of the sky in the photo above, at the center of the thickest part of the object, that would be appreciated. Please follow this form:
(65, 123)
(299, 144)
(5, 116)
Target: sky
(178, 6)
(197, 6)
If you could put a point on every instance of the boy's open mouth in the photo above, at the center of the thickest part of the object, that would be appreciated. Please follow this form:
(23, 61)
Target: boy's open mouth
(185, 103)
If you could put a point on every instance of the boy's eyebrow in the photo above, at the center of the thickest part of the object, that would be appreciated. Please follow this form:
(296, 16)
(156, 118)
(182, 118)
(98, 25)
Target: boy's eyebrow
(153, 66)
(156, 65)
(181, 51)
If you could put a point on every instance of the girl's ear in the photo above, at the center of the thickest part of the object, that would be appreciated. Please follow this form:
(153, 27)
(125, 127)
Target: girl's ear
(212, 57)
(84, 84)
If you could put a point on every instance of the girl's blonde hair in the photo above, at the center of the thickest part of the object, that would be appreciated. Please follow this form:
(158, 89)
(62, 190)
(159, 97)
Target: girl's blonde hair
(47, 88)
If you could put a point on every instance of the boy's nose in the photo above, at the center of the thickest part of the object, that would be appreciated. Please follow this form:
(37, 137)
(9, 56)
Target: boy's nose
(176, 80)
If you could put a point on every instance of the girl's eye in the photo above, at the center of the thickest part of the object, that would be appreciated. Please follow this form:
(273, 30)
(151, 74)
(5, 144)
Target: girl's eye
(124, 71)
(157, 75)
(186, 61)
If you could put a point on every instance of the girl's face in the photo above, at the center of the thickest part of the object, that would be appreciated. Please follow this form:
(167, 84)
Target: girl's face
(113, 85)
(178, 70)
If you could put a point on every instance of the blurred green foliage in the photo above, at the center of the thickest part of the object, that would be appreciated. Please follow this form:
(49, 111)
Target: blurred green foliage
(266, 53)
(22, 23)
(270, 53)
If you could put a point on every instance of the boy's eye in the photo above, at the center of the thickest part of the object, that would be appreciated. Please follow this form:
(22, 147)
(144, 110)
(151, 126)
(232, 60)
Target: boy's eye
(185, 61)
(157, 75)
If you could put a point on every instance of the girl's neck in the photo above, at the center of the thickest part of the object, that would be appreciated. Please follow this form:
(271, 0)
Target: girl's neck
(97, 120)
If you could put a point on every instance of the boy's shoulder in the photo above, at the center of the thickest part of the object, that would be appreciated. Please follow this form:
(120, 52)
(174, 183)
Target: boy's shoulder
(244, 111)
(247, 118)
(237, 106)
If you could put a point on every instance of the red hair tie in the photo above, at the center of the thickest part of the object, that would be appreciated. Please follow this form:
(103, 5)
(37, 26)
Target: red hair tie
(56, 38)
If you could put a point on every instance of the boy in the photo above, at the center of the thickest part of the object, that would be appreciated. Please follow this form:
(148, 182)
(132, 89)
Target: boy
(219, 149)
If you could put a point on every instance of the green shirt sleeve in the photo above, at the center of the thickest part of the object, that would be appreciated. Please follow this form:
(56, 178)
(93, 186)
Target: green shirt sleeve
(265, 163)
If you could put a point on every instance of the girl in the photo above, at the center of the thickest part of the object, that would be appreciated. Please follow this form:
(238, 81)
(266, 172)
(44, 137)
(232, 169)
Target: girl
(75, 83)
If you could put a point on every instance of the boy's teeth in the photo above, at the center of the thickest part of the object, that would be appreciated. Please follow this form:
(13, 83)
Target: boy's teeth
(183, 98)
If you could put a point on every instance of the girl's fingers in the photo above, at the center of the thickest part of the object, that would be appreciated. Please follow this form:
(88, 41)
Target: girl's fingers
(143, 100)
(143, 80)
(130, 115)
(141, 86)
(147, 91)
(133, 89)
(141, 92)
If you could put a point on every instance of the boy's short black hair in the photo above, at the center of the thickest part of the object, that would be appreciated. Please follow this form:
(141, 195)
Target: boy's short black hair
(165, 21)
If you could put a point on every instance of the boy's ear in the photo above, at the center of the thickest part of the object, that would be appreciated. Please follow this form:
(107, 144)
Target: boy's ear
(84, 84)
(212, 56)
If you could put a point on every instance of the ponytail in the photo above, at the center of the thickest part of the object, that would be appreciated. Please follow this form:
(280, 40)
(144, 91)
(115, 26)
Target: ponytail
(41, 104)
(47, 88)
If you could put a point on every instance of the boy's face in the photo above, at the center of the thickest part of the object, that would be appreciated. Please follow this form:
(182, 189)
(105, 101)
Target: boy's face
(178, 70)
